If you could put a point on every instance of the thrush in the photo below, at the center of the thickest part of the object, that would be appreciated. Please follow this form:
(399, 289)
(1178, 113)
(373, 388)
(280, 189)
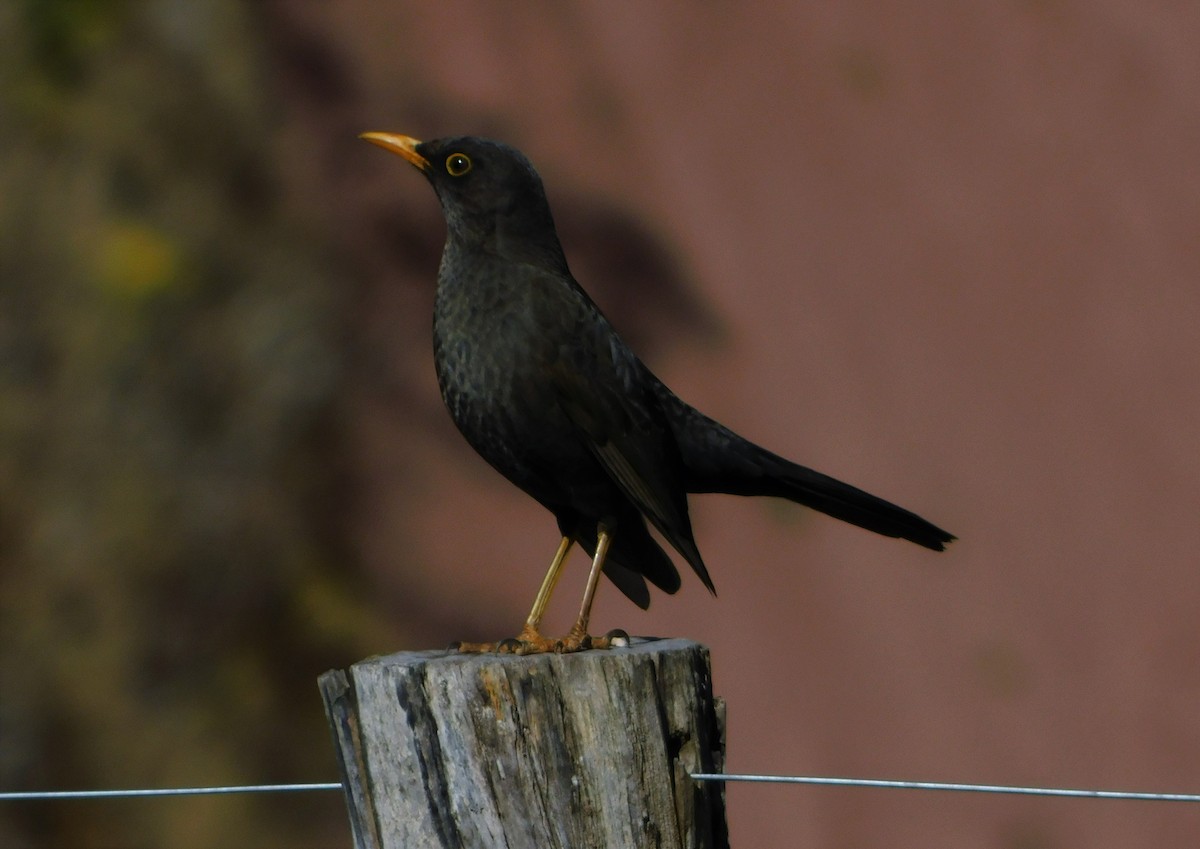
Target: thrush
(545, 390)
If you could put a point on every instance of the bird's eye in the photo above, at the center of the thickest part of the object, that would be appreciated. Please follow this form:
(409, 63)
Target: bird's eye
(458, 164)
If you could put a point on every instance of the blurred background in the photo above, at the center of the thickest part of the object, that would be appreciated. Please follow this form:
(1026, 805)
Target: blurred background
(948, 253)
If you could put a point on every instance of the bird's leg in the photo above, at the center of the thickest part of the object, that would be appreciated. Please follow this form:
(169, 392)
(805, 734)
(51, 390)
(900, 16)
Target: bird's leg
(530, 635)
(530, 640)
(577, 638)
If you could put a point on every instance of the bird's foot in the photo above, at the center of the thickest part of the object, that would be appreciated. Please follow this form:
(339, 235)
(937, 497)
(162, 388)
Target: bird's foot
(529, 641)
(578, 639)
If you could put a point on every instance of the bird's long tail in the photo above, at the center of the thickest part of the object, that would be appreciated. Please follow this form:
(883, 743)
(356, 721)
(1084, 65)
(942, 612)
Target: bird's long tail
(843, 501)
(718, 460)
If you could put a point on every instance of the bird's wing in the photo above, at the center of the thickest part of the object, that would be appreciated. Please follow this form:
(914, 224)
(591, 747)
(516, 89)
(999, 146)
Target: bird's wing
(599, 386)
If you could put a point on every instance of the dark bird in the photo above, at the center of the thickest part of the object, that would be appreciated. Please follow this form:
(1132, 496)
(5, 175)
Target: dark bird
(544, 389)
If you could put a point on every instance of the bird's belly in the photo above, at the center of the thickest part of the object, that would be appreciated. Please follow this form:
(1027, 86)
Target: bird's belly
(511, 417)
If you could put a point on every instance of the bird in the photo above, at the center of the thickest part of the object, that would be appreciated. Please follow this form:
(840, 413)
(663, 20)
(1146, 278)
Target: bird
(543, 388)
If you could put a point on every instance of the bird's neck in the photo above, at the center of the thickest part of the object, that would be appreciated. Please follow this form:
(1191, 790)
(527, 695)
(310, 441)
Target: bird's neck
(522, 239)
(515, 241)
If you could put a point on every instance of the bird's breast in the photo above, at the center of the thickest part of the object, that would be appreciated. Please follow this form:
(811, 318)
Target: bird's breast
(517, 352)
(492, 360)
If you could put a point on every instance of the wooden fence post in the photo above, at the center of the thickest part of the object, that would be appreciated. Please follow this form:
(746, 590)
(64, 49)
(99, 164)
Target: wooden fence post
(578, 751)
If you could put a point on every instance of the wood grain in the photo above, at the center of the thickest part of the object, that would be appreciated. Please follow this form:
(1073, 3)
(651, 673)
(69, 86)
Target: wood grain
(593, 749)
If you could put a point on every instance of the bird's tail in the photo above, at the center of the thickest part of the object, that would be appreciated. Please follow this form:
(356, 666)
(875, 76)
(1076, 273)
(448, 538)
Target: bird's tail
(843, 501)
(718, 460)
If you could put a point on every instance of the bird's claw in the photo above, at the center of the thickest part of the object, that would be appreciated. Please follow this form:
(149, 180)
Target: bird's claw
(577, 640)
(572, 643)
(617, 638)
(531, 642)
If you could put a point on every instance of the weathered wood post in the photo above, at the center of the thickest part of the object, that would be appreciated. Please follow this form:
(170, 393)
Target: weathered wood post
(579, 751)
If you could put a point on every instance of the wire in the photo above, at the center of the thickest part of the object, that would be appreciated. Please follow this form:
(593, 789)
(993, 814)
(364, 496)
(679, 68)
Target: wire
(947, 786)
(700, 776)
(170, 791)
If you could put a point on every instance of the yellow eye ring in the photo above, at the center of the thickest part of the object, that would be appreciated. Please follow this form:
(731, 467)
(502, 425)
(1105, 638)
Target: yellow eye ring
(458, 164)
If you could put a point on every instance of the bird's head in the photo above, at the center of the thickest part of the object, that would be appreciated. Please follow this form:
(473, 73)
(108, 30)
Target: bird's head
(490, 194)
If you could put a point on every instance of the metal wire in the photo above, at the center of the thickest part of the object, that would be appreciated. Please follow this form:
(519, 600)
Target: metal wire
(948, 786)
(170, 791)
(700, 776)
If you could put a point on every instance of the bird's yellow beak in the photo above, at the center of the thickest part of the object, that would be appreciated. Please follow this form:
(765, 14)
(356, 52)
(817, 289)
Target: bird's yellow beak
(406, 146)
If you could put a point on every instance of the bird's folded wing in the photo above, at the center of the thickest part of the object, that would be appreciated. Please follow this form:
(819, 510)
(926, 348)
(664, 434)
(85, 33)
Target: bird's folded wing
(633, 446)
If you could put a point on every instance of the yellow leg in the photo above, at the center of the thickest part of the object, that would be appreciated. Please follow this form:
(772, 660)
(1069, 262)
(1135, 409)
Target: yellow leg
(603, 541)
(530, 640)
(548, 583)
(577, 638)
